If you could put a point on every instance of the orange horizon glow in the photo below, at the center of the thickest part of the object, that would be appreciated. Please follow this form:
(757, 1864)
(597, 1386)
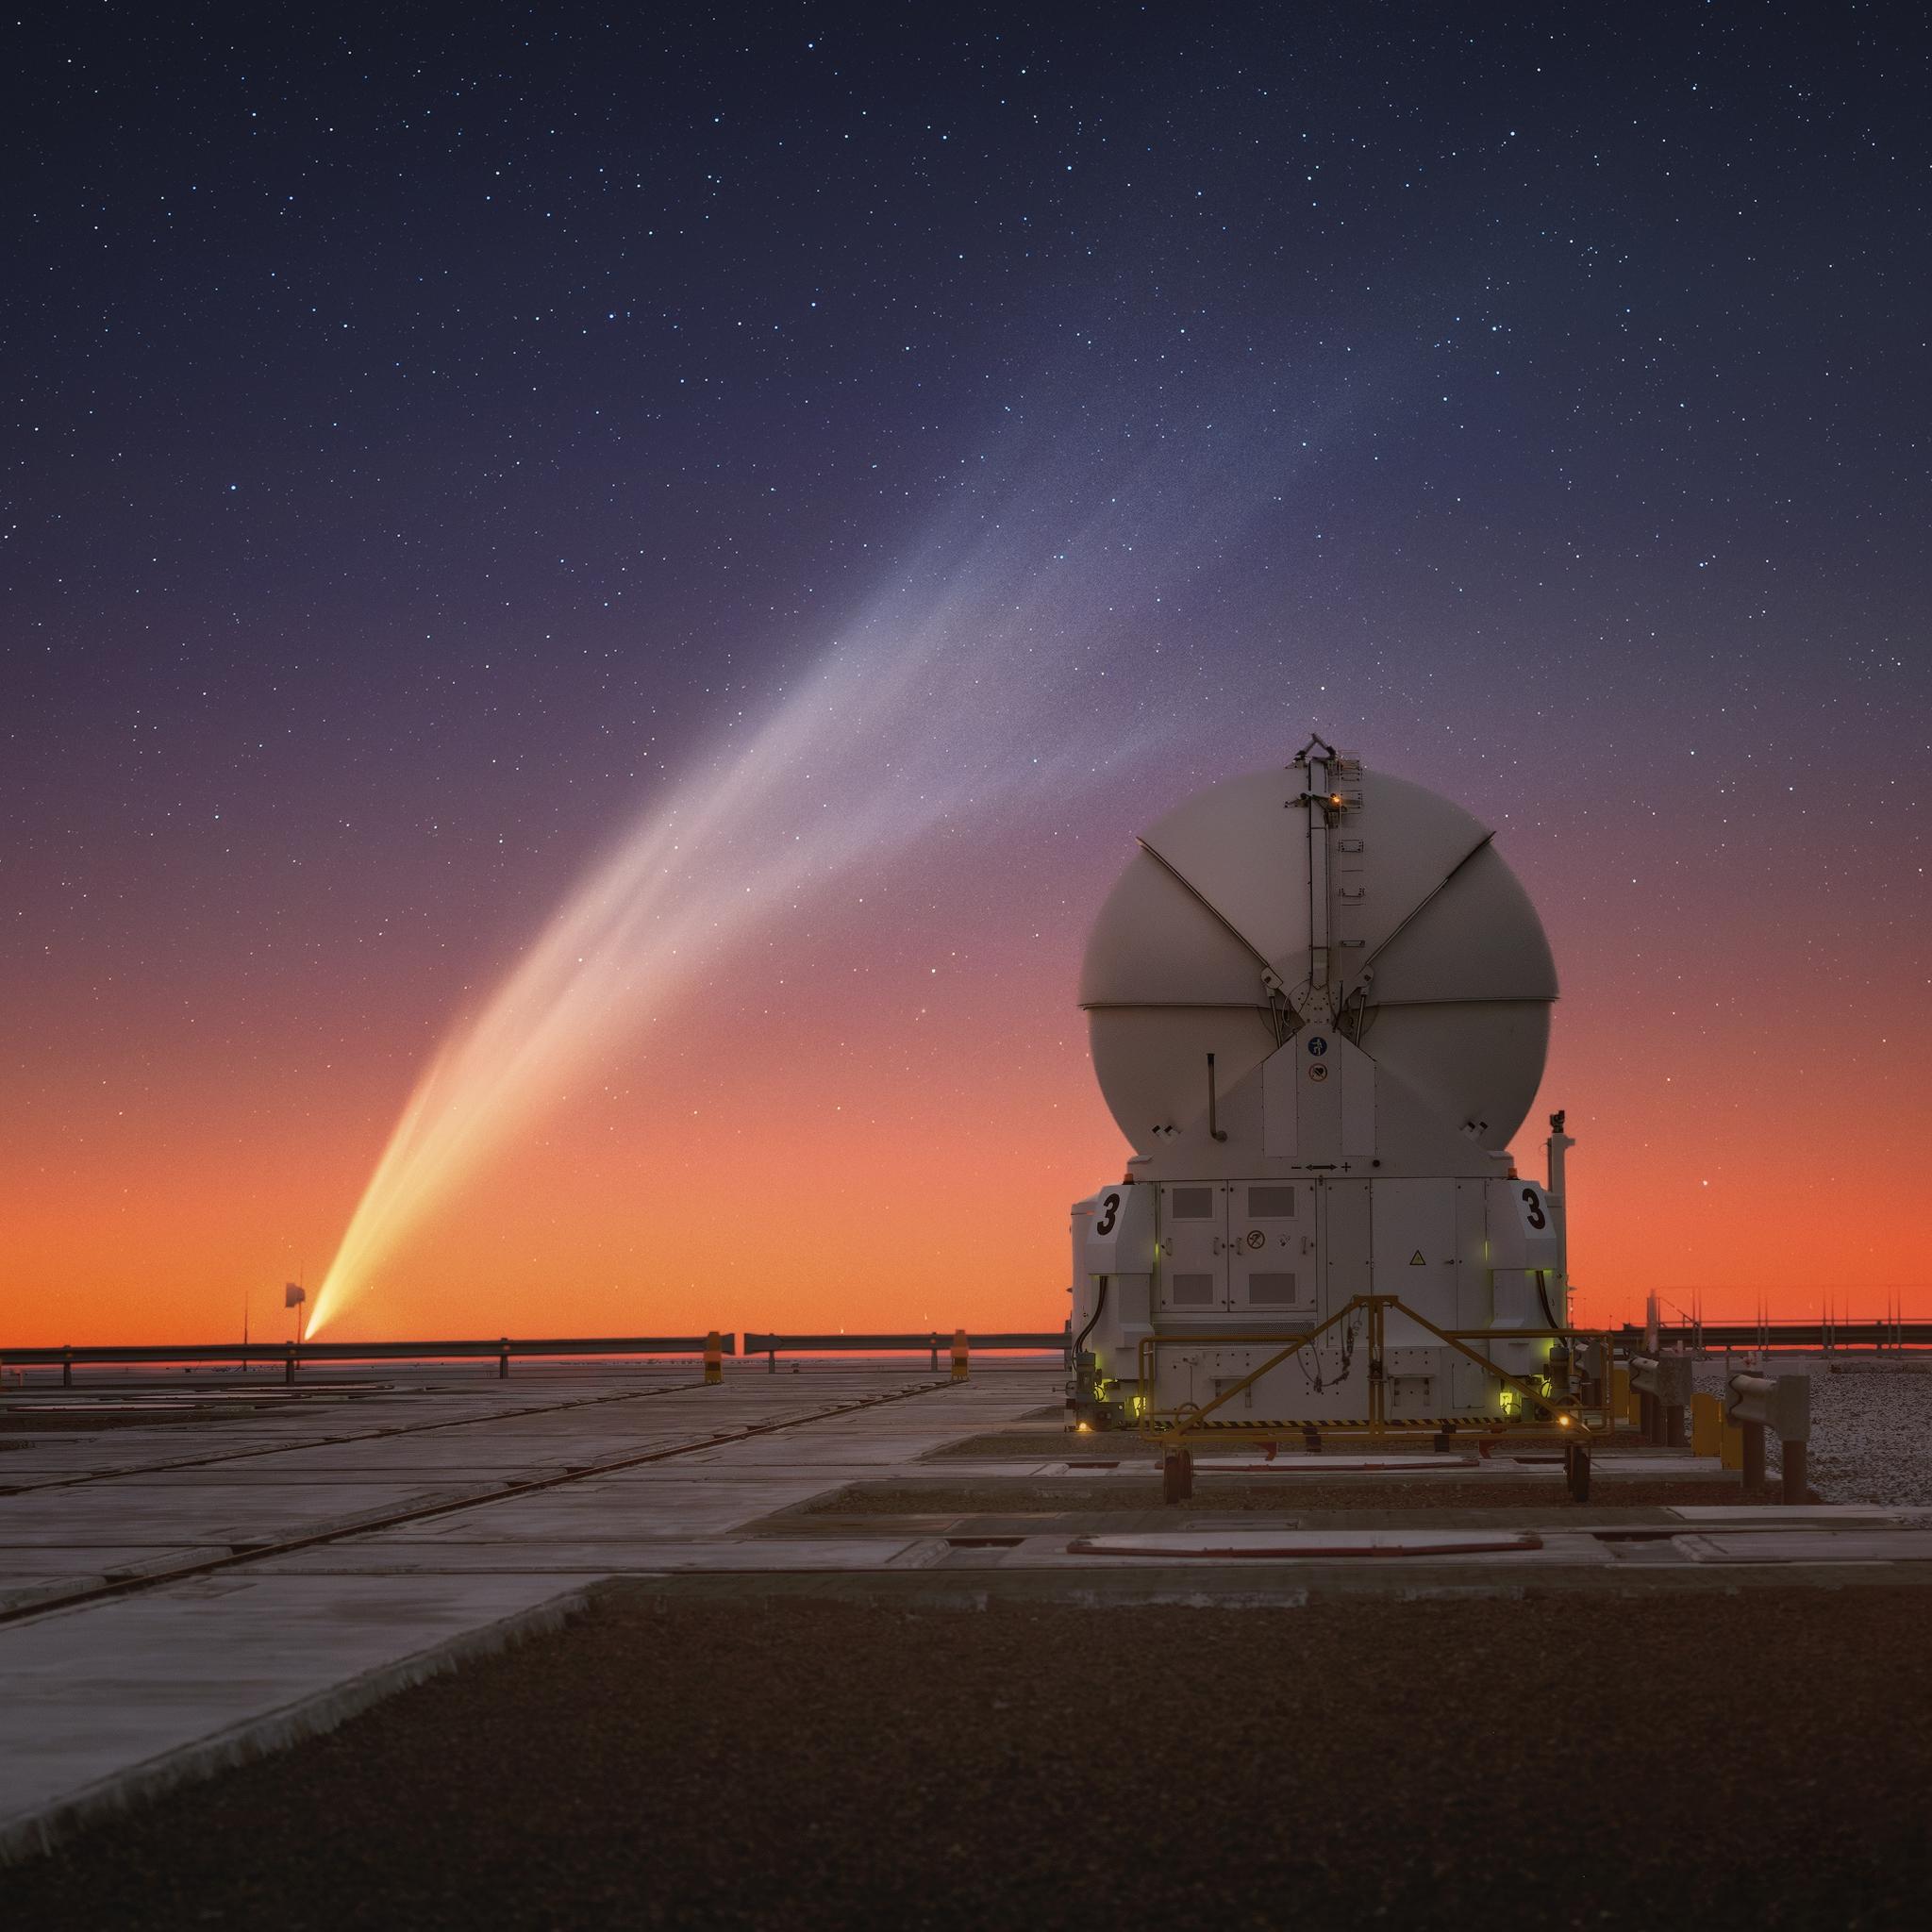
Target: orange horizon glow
(875, 1115)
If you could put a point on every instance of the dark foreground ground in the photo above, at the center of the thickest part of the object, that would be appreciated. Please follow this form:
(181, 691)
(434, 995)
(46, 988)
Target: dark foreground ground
(1579, 1759)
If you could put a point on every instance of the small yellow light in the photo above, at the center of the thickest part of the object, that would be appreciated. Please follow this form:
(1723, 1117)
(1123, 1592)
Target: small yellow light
(1563, 1421)
(1335, 798)
(1083, 1428)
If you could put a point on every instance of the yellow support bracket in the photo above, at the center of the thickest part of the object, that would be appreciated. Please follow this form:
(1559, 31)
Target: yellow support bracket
(1543, 1412)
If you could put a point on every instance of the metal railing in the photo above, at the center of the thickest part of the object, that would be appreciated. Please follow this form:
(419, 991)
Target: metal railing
(1661, 1385)
(1782, 1403)
(1892, 1332)
(772, 1346)
(289, 1356)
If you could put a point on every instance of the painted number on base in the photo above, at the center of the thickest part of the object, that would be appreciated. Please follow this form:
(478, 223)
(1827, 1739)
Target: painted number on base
(1534, 1208)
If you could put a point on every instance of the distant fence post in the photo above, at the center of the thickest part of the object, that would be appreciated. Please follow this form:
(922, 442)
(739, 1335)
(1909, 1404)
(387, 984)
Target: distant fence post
(959, 1354)
(714, 1359)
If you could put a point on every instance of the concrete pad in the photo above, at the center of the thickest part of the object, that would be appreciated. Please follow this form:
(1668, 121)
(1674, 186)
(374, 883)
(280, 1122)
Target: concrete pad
(649, 1557)
(149, 1697)
(1349, 1465)
(1767, 1513)
(1796, 1545)
(99, 1701)
(93, 1559)
(1302, 1543)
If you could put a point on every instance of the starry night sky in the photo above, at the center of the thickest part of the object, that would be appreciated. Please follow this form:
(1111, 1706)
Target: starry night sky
(438, 443)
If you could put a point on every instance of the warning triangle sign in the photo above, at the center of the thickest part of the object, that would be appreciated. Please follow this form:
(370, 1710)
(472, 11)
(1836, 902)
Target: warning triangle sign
(1415, 1260)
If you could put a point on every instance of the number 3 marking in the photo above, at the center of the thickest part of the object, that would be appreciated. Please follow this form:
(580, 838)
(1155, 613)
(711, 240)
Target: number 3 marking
(1112, 1204)
(1533, 1202)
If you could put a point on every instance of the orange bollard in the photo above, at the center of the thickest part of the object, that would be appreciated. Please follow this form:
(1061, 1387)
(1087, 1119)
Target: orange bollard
(959, 1354)
(714, 1359)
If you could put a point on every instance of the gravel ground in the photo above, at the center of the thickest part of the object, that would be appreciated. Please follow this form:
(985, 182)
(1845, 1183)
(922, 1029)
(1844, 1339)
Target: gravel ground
(1870, 1424)
(1719, 1760)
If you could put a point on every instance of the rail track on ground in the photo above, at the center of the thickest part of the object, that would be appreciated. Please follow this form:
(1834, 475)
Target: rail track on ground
(264, 1549)
(333, 1442)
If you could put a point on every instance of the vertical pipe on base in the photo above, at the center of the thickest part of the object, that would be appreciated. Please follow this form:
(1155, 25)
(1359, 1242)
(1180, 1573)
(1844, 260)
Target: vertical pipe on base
(1796, 1459)
(1753, 1455)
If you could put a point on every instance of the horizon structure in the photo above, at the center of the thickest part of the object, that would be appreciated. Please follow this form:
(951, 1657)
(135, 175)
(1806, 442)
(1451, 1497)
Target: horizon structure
(590, 612)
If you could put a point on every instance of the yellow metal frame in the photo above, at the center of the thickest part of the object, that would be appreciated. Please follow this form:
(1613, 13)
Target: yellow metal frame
(1560, 1417)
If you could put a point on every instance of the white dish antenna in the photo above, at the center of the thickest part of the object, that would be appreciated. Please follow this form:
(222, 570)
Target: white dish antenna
(1370, 903)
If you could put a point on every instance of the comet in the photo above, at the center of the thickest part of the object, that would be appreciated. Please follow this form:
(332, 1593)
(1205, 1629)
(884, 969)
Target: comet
(980, 675)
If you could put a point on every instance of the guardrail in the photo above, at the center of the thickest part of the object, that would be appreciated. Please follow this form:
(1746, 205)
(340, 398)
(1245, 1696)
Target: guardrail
(1892, 1333)
(1783, 1402)
(291, 1354)
(1662, 1387)
(773, 1346)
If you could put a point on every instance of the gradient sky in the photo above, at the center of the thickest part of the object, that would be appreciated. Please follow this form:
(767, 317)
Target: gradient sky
(442, 448)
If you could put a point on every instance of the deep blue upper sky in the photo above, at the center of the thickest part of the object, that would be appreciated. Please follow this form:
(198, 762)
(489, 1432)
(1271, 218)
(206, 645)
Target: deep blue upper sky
(433, 436)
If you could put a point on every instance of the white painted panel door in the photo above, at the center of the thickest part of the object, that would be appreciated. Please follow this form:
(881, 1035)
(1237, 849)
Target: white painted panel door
(1272, 1269)
(1194, 1249)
